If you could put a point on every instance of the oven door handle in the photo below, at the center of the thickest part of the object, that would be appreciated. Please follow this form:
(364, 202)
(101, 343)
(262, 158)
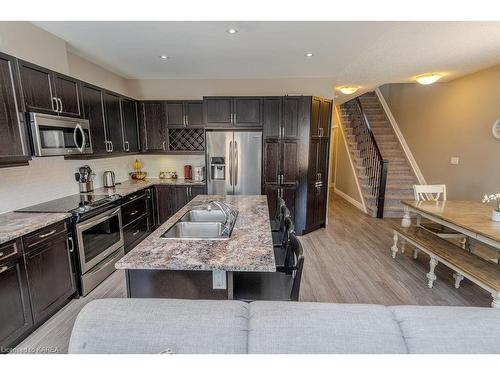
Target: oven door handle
(91, 223)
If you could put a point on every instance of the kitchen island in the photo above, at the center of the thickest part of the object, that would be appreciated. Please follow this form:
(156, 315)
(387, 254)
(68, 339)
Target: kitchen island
(201, 268)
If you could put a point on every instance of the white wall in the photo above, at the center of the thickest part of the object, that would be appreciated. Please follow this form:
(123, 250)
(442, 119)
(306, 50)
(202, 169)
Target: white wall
(197, 88)
(50, 178)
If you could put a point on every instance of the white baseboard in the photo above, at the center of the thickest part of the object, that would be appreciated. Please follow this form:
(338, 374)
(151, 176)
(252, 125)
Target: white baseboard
(401, 138)
(348, 198)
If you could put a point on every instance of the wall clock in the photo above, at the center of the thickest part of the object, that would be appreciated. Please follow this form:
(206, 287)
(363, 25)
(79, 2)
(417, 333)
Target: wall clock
(496, 129)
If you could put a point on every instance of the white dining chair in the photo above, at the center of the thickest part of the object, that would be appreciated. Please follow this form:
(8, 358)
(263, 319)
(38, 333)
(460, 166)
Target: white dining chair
(436, 193)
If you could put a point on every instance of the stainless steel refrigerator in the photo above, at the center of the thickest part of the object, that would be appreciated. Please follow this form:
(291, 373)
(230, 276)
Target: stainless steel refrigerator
(234, 162)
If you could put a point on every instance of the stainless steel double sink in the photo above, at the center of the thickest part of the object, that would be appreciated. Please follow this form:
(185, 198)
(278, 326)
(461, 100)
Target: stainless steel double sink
(201, 224)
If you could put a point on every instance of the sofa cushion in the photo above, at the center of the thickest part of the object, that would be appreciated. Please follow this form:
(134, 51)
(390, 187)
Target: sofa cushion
(447, 329)
(301, 327)
(156, 326)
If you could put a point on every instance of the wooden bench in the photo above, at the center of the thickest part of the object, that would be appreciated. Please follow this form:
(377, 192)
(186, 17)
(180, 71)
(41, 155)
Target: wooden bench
(477, 270)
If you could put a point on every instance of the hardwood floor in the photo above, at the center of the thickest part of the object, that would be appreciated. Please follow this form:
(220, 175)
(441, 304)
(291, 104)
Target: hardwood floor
(350, 262)
(347, 262)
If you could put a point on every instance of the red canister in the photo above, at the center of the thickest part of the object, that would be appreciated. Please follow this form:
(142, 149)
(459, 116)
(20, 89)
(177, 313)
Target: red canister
(188, 172)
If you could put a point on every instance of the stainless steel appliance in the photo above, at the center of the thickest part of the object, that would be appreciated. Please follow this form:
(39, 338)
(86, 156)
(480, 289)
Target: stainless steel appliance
(199, 173)
(109, 179)
(234, 162)
(96, 233)
(57, 135)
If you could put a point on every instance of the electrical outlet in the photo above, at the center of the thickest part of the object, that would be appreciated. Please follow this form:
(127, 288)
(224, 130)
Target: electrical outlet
(219, 279)
(454, 160)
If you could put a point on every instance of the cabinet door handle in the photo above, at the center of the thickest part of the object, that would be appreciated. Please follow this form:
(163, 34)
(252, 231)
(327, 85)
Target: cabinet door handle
(48, 234)
(127, 147)
(1, 254)
(71, 245)
(136, 232)
(163, 145)
(56, 108)
(3, 269)
(134, 213)
(111, 145)
(148, 193)
(60, 103)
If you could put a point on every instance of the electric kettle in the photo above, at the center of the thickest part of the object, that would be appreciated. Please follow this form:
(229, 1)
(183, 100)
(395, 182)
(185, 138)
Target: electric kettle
(109, 179)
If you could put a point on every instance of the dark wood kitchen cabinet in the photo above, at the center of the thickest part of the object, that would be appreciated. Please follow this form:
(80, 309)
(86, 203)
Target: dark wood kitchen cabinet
(321, 113)
(137, 217)
(243, 111)
(49, 270)
(295, 157)
(153, 118)
(93, 104)
(15, 311)
(181, 113)
(112, 119)
(170, 199)
(113, 115)
(44, 90)
(130, 125)
(14, 148)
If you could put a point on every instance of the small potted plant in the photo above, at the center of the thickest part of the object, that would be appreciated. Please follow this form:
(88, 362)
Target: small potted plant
(495, 216)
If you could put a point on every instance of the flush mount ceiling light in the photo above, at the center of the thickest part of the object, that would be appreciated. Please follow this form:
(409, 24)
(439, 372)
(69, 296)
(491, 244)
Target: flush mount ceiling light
(163, 57)
(348, 90)
(232, 31)
(308, 54)
(428, 78)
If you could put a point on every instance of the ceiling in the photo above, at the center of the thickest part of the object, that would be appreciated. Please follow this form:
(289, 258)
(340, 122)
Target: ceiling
(361, 53)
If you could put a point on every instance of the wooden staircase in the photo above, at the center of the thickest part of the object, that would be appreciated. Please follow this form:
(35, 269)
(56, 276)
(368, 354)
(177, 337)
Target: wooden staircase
(400, 177)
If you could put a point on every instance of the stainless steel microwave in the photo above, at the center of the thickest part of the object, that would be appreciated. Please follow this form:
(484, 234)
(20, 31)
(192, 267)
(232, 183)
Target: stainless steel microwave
(57, 135)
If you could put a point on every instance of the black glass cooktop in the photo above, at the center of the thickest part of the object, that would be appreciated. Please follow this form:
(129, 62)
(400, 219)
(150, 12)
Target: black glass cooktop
(77, 204)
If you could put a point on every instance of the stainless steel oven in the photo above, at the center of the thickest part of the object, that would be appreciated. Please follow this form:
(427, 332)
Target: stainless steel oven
(100, 245)
(57, 135)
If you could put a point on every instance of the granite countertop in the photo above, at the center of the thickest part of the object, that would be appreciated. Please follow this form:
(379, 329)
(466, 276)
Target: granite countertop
(250, 247)
(17, 224)
(131, 186)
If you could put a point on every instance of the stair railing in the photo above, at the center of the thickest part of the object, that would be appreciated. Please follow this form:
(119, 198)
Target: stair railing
(375, 165)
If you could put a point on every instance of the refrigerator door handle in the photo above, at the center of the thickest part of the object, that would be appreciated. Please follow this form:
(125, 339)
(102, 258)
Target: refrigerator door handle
(236, 163)
(231, 163)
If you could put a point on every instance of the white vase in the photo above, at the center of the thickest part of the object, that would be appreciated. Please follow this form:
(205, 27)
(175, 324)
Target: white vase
(495, 216)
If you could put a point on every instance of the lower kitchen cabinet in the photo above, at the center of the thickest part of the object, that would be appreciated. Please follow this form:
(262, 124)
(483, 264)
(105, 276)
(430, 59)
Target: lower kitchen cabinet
(15, 311)
(137, 217)
(170, 199)
(136, 232)
(50, 275)
(36, 278)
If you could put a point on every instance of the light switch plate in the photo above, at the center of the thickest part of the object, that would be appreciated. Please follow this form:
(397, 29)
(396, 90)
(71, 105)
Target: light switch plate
(454, 160)
(219, 279)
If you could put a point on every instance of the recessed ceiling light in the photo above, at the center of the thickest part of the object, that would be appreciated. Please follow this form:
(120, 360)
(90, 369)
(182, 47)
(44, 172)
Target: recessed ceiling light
(163, 57)
(308, 54)
(347, 90)
(428, 78)
(231, 31)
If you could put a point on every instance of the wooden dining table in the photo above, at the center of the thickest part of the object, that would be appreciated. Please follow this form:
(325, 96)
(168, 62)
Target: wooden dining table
(473, 219)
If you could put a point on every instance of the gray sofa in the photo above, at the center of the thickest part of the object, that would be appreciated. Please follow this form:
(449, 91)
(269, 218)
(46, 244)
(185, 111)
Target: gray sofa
(194, 326)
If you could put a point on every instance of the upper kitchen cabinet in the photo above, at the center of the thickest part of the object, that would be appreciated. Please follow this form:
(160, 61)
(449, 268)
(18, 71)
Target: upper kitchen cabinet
(113, 122)
(272, 112)
(94, 112)
(247, 111)
(14, 149)
(130, 125)
(181, 113)
(49, 92)
(321, 114)
(233, 111)
(153, 117)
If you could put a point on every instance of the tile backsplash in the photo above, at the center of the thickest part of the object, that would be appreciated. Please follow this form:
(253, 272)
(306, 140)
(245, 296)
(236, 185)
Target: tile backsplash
(50, 178)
